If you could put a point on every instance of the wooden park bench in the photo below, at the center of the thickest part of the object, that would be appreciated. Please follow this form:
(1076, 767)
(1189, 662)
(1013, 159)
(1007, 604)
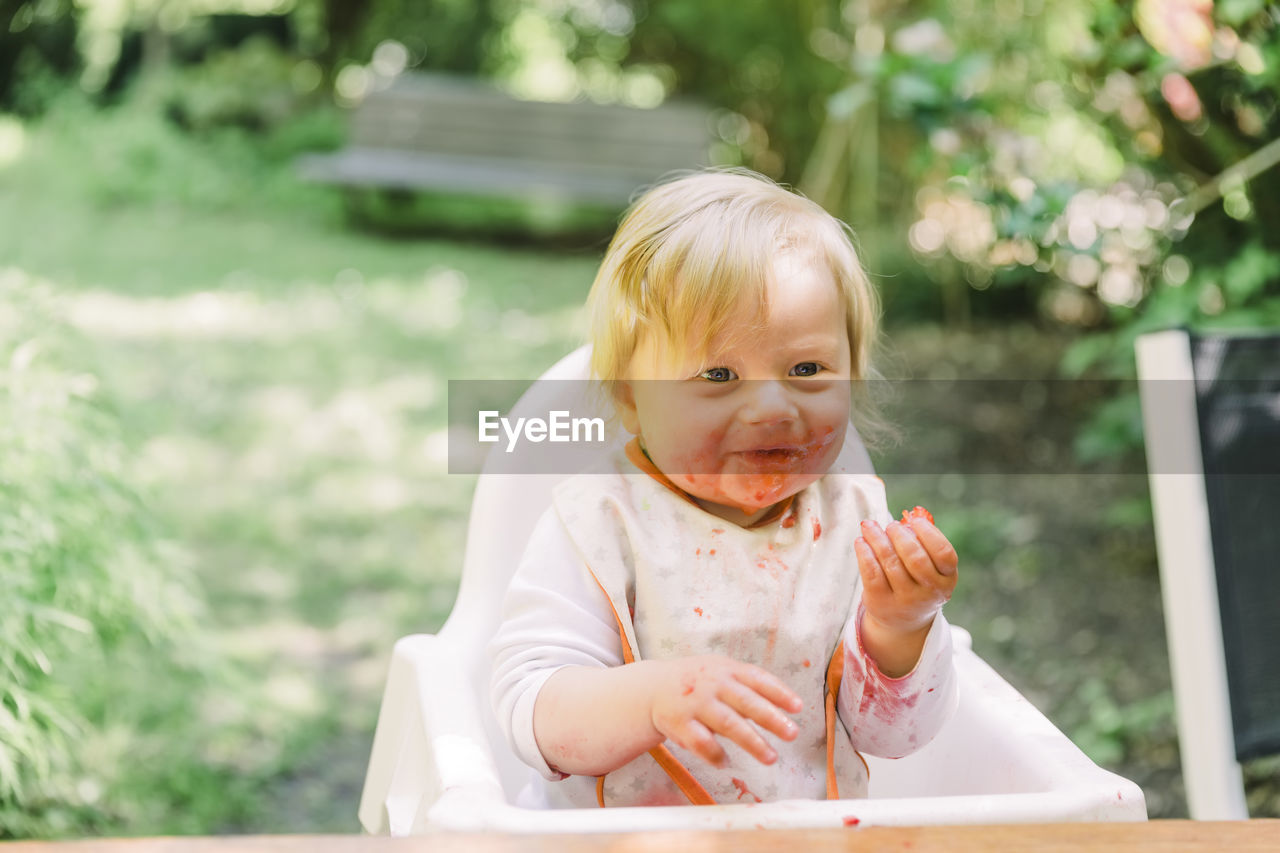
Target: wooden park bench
(434, 132)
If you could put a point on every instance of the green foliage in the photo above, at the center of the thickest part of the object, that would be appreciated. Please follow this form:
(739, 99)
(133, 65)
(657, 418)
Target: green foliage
(1109, 729)
(753, 61)
(91, 588)
(1114, 430)
(38, 53)
(1066, 200)
(256, 86)
(133, 154)
(281, 378)
(446, 35)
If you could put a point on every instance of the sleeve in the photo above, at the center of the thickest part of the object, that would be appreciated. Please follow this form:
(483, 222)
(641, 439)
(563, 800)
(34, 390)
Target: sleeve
(893, 717)
(553, 615)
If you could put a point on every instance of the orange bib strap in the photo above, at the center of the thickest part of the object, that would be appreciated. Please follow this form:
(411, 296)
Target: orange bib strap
(689, 786)
(680, 774)
(685, 781)
(835, 672)
(627, 656)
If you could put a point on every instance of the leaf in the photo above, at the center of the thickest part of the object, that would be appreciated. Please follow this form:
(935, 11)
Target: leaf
(1236, 12)
(1082, 355)
(1249, 273)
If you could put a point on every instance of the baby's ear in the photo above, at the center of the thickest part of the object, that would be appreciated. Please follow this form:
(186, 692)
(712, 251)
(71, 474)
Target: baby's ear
(625, 400)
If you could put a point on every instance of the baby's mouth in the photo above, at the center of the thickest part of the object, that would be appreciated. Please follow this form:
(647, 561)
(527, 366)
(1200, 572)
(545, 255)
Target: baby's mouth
(773, 455)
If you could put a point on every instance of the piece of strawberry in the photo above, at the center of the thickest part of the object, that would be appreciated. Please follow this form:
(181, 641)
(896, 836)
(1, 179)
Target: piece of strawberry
(917, 512)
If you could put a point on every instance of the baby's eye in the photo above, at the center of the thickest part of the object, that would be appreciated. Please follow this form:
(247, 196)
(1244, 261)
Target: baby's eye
(806, 368)
(719, 374)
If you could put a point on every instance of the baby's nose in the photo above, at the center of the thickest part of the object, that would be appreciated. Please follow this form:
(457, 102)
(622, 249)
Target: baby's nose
(768, 401)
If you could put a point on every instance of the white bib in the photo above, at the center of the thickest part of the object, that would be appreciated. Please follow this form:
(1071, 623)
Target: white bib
(684, 582)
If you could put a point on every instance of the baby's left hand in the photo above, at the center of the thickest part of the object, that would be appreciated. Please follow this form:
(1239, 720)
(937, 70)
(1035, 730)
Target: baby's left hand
(909, 571)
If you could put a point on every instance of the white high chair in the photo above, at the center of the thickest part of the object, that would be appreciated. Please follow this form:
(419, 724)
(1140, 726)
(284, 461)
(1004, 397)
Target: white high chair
(439, 760)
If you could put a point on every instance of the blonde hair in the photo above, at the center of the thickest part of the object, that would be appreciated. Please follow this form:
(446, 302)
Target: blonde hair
(693, 249)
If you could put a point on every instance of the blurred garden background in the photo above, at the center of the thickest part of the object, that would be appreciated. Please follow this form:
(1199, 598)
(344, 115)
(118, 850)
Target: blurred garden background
(223, 487)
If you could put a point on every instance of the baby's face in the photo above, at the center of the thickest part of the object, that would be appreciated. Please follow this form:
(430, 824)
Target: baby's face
(759, 419)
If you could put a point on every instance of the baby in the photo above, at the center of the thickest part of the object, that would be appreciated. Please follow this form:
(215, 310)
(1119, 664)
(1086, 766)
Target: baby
(724, 612)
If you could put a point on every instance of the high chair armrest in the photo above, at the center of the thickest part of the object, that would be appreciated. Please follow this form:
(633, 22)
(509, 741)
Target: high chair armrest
(430, 747)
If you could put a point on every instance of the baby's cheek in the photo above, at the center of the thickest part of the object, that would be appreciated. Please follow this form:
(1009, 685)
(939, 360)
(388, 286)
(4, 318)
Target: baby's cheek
(693, 462)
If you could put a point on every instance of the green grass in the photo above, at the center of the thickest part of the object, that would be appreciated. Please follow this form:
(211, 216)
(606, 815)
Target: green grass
(282, 382)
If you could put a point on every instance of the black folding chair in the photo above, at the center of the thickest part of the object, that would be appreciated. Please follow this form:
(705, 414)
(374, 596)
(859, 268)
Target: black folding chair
(1211, 416)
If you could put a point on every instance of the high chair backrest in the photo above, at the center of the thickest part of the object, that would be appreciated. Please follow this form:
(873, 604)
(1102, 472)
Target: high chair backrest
(504, 511)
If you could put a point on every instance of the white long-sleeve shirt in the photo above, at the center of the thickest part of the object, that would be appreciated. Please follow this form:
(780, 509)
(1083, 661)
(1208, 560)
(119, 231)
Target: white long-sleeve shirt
(556, 615)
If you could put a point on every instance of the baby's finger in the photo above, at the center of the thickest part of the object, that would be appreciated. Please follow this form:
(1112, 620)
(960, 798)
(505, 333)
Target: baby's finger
(873, 577)
(724, 721)
(698, 739)
(915, 558)
(936, 544)
(770, 687)
(752, 706)
(899, 579)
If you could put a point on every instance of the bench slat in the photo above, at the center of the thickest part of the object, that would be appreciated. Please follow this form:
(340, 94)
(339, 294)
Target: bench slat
(650, 128)
(432, 131)
(542, 149)
(481, 176)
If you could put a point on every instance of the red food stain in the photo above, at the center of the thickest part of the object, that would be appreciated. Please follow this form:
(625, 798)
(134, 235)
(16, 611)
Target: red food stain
(885, 699)
(743, 791)
(851, 821)
(698, 551)
(712, 551)
(930, 690)
(717, 530)
(817, 529)
(917, 512)
(698, 610)
(772, 565)
(806, 662)
(789, 521)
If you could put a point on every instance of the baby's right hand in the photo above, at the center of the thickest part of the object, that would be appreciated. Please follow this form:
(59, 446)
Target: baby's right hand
(697, 698)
